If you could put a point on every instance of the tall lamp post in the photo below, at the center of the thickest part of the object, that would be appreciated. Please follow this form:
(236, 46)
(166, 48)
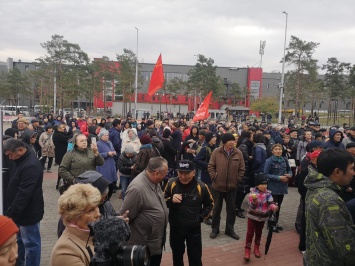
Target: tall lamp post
(283, 72)
(136, 81)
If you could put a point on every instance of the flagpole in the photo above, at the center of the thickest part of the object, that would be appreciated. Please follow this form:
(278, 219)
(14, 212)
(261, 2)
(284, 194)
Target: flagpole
(136, 81)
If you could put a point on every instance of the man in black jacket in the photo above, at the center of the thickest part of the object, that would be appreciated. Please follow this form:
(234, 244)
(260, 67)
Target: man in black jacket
(24, 200)
(190, 202)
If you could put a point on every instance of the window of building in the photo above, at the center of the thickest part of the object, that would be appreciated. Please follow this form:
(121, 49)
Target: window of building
(255, 89)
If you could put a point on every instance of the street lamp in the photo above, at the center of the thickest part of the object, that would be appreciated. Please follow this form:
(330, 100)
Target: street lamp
(136, 81)
(283, 72)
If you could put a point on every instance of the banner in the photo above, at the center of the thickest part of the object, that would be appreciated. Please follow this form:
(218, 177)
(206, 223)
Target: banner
(157, 80)
(202, 111)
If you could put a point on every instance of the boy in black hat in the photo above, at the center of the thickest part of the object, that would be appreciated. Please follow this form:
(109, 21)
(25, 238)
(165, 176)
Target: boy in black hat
(190, 203)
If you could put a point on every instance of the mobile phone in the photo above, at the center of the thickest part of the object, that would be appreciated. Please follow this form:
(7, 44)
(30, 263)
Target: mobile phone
(93, 140)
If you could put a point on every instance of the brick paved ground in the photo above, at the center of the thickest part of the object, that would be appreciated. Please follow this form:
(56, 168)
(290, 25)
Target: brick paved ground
(220, 251)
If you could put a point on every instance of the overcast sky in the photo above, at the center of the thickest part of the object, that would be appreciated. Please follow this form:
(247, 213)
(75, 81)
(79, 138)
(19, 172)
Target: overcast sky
(228, 31)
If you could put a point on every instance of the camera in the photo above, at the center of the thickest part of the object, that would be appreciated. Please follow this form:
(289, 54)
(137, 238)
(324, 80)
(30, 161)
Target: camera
(109, 235)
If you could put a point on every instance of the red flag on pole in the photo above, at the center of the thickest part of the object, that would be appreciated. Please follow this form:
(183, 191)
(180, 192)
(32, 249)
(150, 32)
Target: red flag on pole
(157, 80)
(202, 112)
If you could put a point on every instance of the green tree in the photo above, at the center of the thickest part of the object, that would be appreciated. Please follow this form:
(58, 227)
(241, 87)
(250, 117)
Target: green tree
(335, 82)
(203, 78)
(68, 63)
(301, 80)
(126, 77)
(14, 85)
(265, 105)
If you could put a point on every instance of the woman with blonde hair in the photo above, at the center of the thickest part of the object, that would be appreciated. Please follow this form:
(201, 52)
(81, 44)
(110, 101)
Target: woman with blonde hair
(77, 206)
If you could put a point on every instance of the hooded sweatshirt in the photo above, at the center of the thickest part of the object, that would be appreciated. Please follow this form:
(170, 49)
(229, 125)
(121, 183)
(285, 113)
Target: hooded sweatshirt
(331, 143)
(330, 230)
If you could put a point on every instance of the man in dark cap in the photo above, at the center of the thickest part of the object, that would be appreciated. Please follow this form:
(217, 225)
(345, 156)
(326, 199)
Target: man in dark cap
(226, 168)
(190, 203)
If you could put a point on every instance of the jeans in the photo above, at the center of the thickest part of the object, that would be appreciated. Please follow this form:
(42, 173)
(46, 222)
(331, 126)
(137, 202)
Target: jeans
(43, 162)
(124, 181)
(29, 245)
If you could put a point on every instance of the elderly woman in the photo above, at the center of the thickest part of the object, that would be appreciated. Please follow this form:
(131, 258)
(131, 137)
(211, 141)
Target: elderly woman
(79, 160)
(8, 241)
(47, 146)
(107, 151)
(78, 206)
(131, 139)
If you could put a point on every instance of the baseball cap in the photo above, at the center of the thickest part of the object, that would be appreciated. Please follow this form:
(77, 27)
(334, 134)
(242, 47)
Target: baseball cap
(185, 166)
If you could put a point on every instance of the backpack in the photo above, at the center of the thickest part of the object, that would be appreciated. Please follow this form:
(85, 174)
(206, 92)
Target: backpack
(208, 151)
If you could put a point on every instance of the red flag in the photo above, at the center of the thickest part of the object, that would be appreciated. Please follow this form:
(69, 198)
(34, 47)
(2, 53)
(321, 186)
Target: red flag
(202, 112)
(157, 80)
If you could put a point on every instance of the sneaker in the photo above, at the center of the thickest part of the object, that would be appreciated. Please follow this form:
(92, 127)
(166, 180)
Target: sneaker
(280, 228)
(275, 229)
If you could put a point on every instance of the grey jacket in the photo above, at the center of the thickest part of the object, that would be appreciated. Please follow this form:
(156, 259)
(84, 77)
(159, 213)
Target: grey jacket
(148, 214)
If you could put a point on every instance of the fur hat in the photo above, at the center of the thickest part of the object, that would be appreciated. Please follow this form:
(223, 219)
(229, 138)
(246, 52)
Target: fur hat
(7, 229)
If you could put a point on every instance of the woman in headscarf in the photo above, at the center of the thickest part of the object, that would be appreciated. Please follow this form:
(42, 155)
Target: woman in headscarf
(131, 139)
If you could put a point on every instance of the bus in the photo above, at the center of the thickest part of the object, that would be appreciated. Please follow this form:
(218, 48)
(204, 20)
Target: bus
(41, 109)
(14, 110)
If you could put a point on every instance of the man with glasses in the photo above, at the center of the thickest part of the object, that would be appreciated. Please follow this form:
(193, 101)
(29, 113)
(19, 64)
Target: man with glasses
(190, 203)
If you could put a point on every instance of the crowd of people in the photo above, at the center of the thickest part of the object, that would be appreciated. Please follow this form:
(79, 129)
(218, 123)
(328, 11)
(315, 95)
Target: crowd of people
(178, 172)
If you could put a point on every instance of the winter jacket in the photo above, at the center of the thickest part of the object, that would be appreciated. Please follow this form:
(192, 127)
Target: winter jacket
(108, 169)
(148, 214)
(47, 145)
(225, 170)
(125, 163)
(331, 143)
(146, 152)
(202, 159)
(330, 229)
(70, 249)
(246, 147)
(176, 136)
(24, 195)
(76, 162)
(195, 207)
(348, 140)
(60, 140)
(259, 208)
(169, 153)
(301, 149)
(114, 137)
(274, 168)
(259, 158)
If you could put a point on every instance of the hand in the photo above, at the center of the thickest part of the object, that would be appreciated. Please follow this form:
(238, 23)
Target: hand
(283, 179)
(124, 216)
(254, 196)
(276, 208)
(94, 147)
(177, 198)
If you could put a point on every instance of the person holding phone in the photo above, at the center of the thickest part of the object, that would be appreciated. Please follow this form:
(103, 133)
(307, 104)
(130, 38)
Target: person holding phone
(81, 159)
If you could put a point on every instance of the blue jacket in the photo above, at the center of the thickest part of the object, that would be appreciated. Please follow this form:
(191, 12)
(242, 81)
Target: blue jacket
(201, 160)
(259, 157)
(274, 168)
(114, 136)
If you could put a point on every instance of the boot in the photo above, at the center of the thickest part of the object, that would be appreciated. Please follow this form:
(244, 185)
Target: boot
(257, 251)
(239, 214)
(247, 254)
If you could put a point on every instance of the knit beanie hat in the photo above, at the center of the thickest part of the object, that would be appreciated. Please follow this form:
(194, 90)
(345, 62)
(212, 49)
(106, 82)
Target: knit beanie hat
(260, 179)
(227, 137)
(7, 229)
(145, 139)
(209, 136)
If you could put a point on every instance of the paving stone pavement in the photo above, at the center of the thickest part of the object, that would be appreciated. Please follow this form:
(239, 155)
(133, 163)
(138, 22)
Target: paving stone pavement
(220, 251)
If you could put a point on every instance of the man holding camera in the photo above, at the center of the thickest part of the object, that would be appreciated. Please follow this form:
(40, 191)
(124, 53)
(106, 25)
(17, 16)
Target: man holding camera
(190, 203)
